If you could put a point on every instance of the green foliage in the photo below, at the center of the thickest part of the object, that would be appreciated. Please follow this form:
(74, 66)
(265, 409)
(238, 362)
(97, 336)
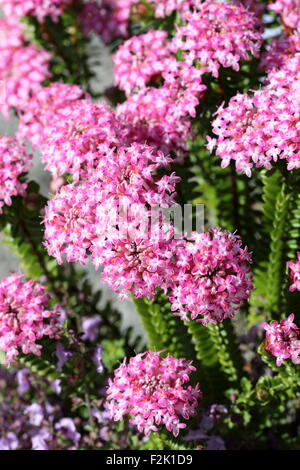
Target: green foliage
(165, 331)
(66, 42)
(113, 353)
(161, 441)
(39, 365)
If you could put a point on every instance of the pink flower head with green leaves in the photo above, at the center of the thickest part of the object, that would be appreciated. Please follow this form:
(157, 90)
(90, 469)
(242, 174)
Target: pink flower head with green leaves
(153, 391)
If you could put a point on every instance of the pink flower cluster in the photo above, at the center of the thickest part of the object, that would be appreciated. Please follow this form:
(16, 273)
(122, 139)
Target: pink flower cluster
(295, 273)
(135, 263)
(131, 172)
(72, 139)
(281, 49)
(164, 8)
(70, 222)
(283, 340)
(212, 278)
(13, 163)
(107, 18)
(38, 8)
(161, 116)
(218, 34)
(80, 217)
(289, 11)
(140, 59)
(151, 389)
(152, 116)
(43, 107)
(91, 131)
(9, 41)
(207, 275)
(162, 92)
(261, 129)
(24, 316)
(23, 68)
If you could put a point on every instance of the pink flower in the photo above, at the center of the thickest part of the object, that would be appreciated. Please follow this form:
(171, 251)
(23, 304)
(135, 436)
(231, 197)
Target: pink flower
(218, 34)
(185, 89)
(38, 8)
(161, 116)
(281, 49)
(140, 60)
(164, 8)
(70, 222)
(22, 72)
(13, 163)
(212, 277)
(80, 218)
(45, 105)
(71, 147)
(131, 172)
(264, 128)
(295, 273)
(152, 116)
(283, 340)
(107, 18)
(289, 10)
(9, 41)
(151, 389)
(24, 316)
(133, 261)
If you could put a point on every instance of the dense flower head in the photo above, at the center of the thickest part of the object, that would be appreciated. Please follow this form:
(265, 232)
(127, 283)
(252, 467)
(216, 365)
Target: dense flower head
(151, 389)
(24, 316)
(289, 11)
(132, 172)
(213, 277)
(256, 7)
(285, 80)
(295, 273)
(185, 89)
(73, 138)
(107, 18)
(152, 116)
(9, 41)
(38, 8)
(164, 8)
(22, 72)
(14, 161)
(80, 217)
(140, 60)
(261, 129)
(283, 340)
(133, 259)
(46, 104)
(70, 222)
(280, 50)
(218, 34)
(161, 116)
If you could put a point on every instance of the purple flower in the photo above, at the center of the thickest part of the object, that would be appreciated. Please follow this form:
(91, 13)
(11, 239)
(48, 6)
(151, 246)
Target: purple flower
(23, 382)
(68, 427)
(10, 442)
(35, 413)
(56, 385)
(97, 359)
(39, 440)
(90, 328)
(215, 443)
(62, 355)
